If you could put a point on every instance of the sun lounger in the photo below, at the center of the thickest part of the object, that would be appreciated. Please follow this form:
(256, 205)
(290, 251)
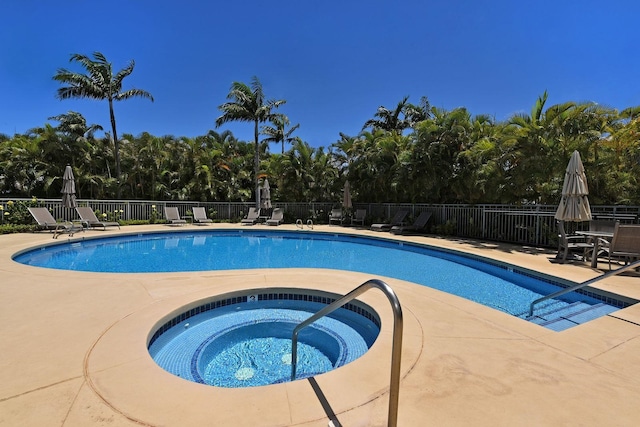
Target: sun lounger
(417, 227)
(88, 216)
(276, 217)
(46, 221)
(252, 217)
(173, 216)
(200, 216)
(398, 219)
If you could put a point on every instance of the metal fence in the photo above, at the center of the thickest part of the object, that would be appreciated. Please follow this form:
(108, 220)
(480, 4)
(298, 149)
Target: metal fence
(528, 225)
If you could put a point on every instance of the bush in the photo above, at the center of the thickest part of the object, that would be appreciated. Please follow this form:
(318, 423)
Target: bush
(17, 213)
(17, 228)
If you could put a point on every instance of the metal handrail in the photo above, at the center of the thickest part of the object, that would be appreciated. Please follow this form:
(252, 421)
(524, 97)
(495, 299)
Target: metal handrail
(583, 284)
(396, 349)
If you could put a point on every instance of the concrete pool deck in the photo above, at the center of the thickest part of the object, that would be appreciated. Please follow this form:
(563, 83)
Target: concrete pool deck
(73, 350)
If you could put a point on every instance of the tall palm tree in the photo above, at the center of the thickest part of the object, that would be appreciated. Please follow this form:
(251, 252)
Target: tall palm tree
(248, 104)
(277, 133)
(100, 83)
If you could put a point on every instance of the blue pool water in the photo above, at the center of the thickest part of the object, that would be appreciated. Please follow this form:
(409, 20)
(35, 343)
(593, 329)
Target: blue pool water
(502, 288)
(249, 344)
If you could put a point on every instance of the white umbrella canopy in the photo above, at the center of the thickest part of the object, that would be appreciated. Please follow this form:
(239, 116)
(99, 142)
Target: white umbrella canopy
(265, 195)
(346, 201)
(574, 205)
(68, 188)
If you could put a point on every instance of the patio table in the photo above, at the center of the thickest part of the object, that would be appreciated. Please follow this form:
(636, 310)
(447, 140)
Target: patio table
(597, 235)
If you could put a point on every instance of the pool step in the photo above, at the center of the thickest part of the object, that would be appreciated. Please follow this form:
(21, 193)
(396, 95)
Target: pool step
(571, 315)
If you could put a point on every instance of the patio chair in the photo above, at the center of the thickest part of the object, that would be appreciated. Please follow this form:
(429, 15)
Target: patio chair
(200, 216)
(417, 227)
(625, 243)
(336, 216)
(277, 217)
(398, 219)
(252, 217)
(358, 217)
(46, 221)
(88, 216)
(173, 216)
(571, 243)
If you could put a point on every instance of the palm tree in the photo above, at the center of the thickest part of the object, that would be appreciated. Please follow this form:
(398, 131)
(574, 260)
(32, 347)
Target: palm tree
(75, 125)
(248, 104)
(390, 120)
(276, 133)
(99, 83)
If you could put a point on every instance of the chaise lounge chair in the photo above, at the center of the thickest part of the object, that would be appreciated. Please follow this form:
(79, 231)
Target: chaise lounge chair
(417, 227)
(398, 219)
(173, 216)
(46, 221)
(200, 216)
(88, 216)
(252, 217)
(276, 217)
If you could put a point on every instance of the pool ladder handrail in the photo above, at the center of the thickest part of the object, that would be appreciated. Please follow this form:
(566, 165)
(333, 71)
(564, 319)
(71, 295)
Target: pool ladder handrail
(583, 284)
(396, 349)
(301, 226)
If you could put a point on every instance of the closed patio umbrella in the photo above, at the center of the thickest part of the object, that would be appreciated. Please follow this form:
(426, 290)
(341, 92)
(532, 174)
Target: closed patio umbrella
(574, 205)
(68, 188)
(265, 195)
(346, 201)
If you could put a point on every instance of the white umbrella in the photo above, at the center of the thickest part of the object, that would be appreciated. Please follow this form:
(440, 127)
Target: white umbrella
(574, 205)
(265, 195)
(346, 201)
(68, 188)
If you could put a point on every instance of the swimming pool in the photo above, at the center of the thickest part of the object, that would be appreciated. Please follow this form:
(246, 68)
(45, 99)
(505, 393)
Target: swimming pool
(492, 284)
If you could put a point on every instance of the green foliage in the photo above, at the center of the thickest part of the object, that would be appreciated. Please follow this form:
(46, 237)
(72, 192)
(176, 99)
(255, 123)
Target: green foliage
(441, 157)
(449, 228)
(16, 228)
(153, 216)
(16, 213)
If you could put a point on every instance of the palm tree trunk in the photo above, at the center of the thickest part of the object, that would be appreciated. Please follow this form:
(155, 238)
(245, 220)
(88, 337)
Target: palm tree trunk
(256, 164)
(116, 148)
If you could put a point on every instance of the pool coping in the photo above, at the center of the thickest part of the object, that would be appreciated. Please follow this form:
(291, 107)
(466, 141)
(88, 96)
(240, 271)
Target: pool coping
(473, 365)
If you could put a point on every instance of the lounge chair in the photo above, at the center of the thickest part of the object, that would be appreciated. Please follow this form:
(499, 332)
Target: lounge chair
(417, 227)
(46, 221)
(173, 216)
(358, 218)
(277, 216)
(200, 216)
(252, 217)
(571, 243)
(398, 219)
(88, 217)
(335, 217)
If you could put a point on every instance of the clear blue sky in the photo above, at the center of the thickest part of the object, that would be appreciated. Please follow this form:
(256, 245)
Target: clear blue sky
(333, 61)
